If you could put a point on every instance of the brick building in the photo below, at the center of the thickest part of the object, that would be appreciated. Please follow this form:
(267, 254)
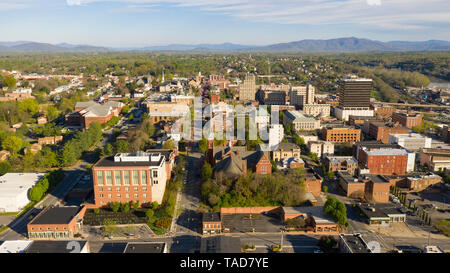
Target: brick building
(340, 134)
(50, 140)
(313, 183)
(56, 223)
(381, 131)
(211, 222)
(377, 189)
(408, 120)
(87, 112)
(140, 176)
(386, 161)
(341, 163)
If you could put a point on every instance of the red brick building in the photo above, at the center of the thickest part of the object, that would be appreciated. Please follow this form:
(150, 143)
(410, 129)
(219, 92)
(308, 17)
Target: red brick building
(377, 190)
(140, 176)
(384, 161)
(211, 222)
(88, 112)
(56, 223)
(408, 120)
(381, 131)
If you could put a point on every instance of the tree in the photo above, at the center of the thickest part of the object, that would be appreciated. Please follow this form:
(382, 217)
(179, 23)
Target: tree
(206, 171)
(169, 144)
(114, 206)
(12, 144)
(155, 205)
(325, 189)
(5, 167)
(149, 214)
(52, 112)
(36, 193)
(125, 109)
(125, 207)
(203, 145)
(135, 205)
(163, 223)
(122, 146)
(9, 82)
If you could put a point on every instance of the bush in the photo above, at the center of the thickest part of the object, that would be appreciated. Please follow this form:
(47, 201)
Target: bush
(155, 205)
(96, 210)
(136, 205)
(325, 189)
(164, 222)
(114, 206)
(149, 214)
(125, 207)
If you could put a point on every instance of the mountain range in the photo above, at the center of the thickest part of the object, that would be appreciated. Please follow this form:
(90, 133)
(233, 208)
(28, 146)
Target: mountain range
(350, 44)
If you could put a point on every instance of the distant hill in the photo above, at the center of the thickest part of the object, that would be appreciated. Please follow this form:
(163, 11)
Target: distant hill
(350, 44)
(47, 48)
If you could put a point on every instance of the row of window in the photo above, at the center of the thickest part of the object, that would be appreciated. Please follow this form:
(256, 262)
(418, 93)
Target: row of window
(124, 177)
(126, 189)
(56, 228)
(144, 195)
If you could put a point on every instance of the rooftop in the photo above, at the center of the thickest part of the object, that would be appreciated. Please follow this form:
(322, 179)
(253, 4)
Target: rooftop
(151, 159)
(56, 215)
(16, 246)
(12, 184)
(52, 247)
(314, 211)
(211, 217)
(380, 210)
(355, 243)
(297, 116)
(382, 151)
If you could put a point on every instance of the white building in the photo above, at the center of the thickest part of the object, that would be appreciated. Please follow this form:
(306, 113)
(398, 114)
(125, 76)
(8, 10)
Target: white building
(343, 114)
(317, 110)
(410, 141)
(276, 134)
(14, 189)
(321, 148)
(15, 246)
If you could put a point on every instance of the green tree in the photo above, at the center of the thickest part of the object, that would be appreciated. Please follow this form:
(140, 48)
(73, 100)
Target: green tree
(12, 144)
(149, 214)
(203, 145)
(125, 207)
(5, 167)
(206, 171)
(52, 112)
(114, 206)
(169, 144)
(9, 82)
(36, 193)
(155, 205)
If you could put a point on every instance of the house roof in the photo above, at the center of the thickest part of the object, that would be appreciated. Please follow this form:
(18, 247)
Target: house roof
(56, 215)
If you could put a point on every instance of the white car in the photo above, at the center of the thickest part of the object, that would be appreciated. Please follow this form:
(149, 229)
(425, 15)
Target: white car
(318, 251)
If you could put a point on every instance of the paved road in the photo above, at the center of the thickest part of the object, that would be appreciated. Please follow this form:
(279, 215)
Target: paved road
(188, 222)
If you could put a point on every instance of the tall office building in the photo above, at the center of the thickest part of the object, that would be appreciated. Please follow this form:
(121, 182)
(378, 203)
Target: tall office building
(354, 97)
(301, 95)
(247, 89)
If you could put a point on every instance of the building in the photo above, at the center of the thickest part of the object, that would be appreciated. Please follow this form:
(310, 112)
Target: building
(341, 163)
(354, 97)
(166, 111)
(41, 120)
(211, 222)
(320, 222)
(53, 140)
(408, 120)
(292, 163)
(313, 183)
(88, 112)
(51, 247)
(383, 112)
(271, 97)
(56, 223)
(421, 182)
(300, 122)
(340, 134)
(411, 142)
(353, 186)
(247, 89)
(16, 246)
(218, 81)
(301, 95)
(381, 131)
(433, 249)
(352, 243)
(234, 163)
(377, 189)
(371, 145)
(285, 150)
(317, 110)
(34, 148)
(276, 135)
(435, 159)
(387, 161)
(381, 214)
(359, 120)
(126, 177)
(14, 189)
(181, 99)
(308, 136)
(321, 148)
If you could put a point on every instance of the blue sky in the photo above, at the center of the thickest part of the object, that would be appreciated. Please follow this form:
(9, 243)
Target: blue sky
(128, 23)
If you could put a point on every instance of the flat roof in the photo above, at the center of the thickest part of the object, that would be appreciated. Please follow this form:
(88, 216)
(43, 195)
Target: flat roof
(381, 210)
(109, 162)
(144, 247)
(15, 246)
(56, 215)
(316, 212)
(12, 184)
(52, 247)
(383, 151)
(211, 217)
(355, 242)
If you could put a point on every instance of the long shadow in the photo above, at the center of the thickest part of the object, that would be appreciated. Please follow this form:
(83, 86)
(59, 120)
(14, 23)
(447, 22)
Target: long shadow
(190, 219)
(302, 243)
(185, 244)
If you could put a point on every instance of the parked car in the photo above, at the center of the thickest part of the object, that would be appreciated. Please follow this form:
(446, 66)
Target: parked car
(225, 230)
(318, 251)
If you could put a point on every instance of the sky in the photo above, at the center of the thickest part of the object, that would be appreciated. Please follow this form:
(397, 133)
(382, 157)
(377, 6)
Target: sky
(137, 23)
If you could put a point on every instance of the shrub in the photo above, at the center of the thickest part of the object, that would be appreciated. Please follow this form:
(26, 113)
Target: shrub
(149, 214)
(115, 206)
(155, 205)
(325, 189)
(125, 207)
(163, 223)
(96, 210)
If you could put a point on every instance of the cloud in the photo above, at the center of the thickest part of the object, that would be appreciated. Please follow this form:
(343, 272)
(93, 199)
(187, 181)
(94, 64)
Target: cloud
(374, 2)
(394, 14)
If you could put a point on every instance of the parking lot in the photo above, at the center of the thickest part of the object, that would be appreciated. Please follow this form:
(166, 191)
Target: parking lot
(251, 222)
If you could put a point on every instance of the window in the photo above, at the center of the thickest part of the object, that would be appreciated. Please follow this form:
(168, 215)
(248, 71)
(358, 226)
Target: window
(100, 178)
(144, 195)
(144, 177)
(155, 173)
(109, 195)
(117, 189)
(108, 177)
(127, 189)
(100, 189)
(136, 189)
(135, 177)
(155, 182)
(101, 195)
(144, 189)
(136, 195)
(109, 189)
(117, 178)
(126, 177)
(127, 195)
(118, 195)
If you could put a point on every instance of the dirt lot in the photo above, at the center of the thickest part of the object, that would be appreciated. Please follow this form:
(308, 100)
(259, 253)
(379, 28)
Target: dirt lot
(251, 223)
(402, 230)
